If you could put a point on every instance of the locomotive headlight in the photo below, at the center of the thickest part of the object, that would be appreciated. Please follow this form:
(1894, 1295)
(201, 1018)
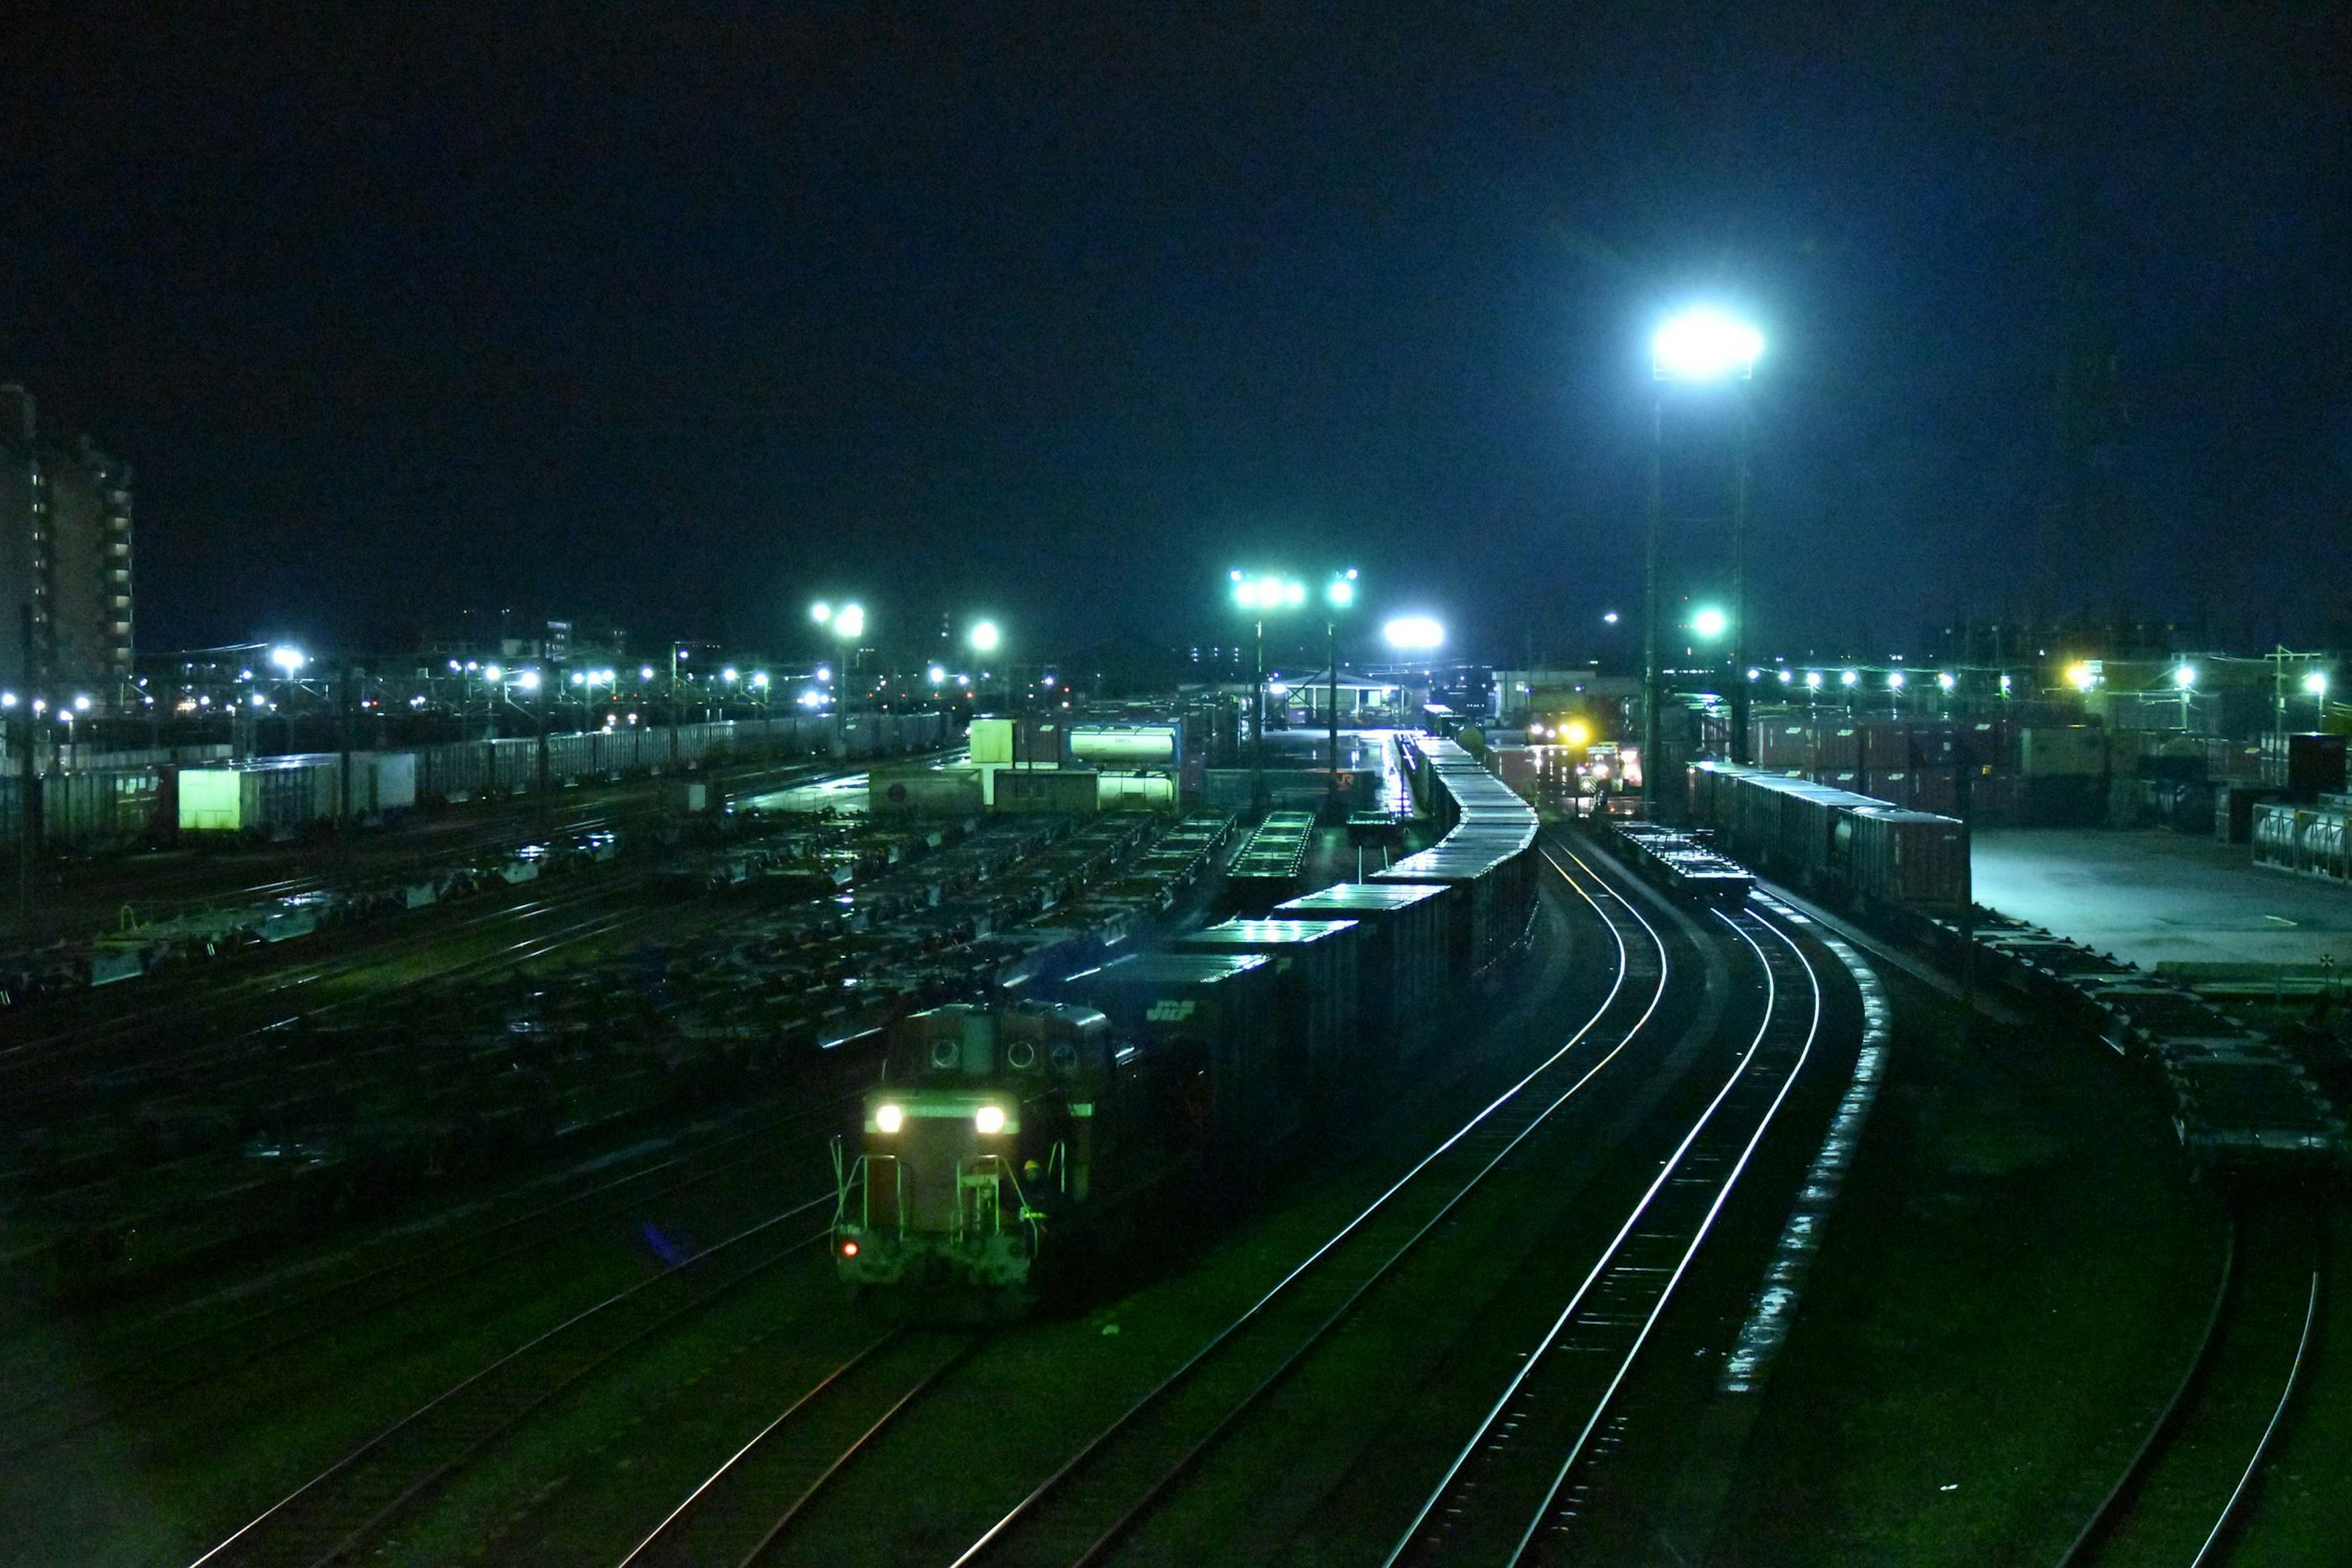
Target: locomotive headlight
(888, 1118)
(989, 1119)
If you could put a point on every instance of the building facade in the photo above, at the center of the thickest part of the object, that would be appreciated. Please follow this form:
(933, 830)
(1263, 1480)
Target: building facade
(65, 559)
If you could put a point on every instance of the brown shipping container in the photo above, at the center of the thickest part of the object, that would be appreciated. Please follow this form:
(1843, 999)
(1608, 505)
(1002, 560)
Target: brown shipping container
(1886, 747)
(2073, 751)
(1837, 746)
(1911, 860)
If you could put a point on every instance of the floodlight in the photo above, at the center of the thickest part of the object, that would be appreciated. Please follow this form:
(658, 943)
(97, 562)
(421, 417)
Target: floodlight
(1705, 344)
(1413, 634)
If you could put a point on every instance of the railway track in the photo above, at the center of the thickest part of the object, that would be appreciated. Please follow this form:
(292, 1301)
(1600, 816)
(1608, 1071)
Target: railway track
(2196, 1478)
(340, 1512)
(1512, 1493)
(30, 1066)
(744, 1509)
(1085, 1509)
(151, 1368)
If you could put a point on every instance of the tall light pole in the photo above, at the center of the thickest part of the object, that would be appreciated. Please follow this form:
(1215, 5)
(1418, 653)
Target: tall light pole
(1262, 596)
(1338, 594)
(986, 639)
(1698, 347)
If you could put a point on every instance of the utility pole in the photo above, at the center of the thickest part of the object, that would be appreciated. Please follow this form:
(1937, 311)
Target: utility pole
(673, 706)
(346, 696)
(1257, 729)
(1739, 683)
(1652, 765)
(1332, 641)
(28, 797)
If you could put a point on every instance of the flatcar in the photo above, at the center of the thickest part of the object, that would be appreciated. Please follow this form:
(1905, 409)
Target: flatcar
(1685, 868)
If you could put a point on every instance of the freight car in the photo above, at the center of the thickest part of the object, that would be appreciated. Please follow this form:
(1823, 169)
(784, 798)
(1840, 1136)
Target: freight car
(1000, 1125)
(1686, 868)
(1833, 843)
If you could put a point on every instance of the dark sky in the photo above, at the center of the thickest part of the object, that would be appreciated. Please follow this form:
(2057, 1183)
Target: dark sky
(684, 315)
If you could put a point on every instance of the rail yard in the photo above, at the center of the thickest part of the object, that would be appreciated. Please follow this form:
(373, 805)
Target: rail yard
(616, 1185)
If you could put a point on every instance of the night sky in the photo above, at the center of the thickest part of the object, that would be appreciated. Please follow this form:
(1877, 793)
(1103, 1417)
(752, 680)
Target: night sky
(680, 317)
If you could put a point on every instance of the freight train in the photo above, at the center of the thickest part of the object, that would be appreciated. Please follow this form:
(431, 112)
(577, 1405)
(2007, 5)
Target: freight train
(1219, 1055)
(2241, 1103)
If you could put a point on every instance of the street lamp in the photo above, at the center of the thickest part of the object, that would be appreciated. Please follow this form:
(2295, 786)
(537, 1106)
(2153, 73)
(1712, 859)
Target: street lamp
(1698, 347)
(2315, 684)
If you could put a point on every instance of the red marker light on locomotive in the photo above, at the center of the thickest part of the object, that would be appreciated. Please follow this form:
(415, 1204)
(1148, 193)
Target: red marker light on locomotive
(849, 1249)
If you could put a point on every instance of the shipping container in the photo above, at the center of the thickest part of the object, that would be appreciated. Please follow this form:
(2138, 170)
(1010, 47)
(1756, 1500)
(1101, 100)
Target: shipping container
(1316, 972)
(1905, 860)
(2072, 751)
(1220, 1014)
(1401, 962)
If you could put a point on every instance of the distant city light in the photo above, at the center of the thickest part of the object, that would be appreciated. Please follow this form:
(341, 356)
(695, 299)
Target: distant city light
(2082, 676)
(820, 612)
(823, 672)
(849, 621)
(1787, 676)
(1753, 673)
(1948, 680)
(1710, 623)
(1277, 689)
(760, 680)
(1576, 732)
(1610, 617)
(287, 659)
(2004, 683)
(1705, 344)
(528, 680)
(728, 675)
(1342, 591)
(260, 701)
(644, 672)
(7, 699)
(578, 679)
(985, 637)
(2184, 676)
(492, 672)
(1413, 634)
(939, 677)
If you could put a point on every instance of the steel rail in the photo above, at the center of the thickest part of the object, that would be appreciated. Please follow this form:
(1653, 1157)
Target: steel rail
(2110, 1510)
(1231, 1332)
(775, 1532)
(545, 1337)
(250, 1350)
(688, 1504)
(2286, 1395)
(1409, 1538)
